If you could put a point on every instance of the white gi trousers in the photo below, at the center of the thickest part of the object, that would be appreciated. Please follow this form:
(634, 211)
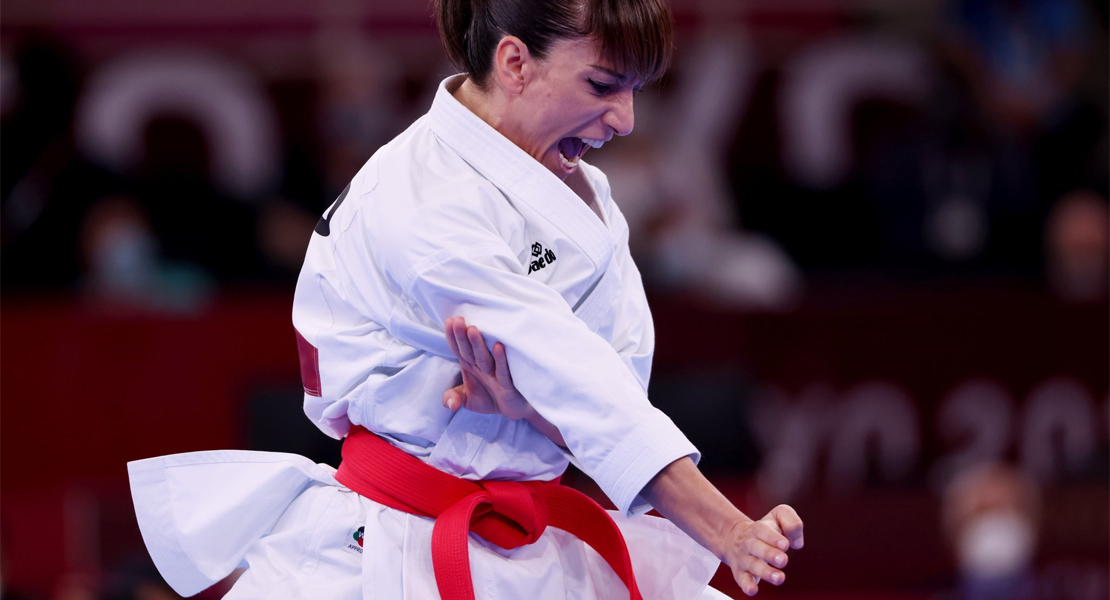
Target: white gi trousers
(304, 536)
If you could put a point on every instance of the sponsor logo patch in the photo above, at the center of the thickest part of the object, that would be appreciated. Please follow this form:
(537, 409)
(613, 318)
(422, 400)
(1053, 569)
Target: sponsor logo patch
(353, 543)
(541, 258)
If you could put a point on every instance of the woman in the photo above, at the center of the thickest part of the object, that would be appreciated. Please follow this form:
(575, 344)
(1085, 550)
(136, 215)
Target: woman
(482, 212)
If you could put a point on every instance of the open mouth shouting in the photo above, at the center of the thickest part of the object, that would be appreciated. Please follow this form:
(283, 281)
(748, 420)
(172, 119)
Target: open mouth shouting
(572, 149)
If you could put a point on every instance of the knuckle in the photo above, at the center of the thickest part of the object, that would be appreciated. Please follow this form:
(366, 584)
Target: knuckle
(752, 563)
(767, 573)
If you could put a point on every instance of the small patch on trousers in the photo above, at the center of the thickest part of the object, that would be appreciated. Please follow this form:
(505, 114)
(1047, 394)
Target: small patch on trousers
(353, 543)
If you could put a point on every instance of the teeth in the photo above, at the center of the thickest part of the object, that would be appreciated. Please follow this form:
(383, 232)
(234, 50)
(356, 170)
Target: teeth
(595, 144)
(570, 164)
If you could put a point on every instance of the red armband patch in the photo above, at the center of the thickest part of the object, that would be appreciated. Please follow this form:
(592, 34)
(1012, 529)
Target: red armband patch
(310, 365)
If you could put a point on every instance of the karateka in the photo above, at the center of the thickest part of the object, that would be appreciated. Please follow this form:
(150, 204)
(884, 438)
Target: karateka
(479, 245)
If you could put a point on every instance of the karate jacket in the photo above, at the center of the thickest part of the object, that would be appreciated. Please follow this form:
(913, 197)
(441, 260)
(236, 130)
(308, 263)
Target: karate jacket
(453, 219)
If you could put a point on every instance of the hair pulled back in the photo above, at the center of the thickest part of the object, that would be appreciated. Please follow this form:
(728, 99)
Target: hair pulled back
(635, 36)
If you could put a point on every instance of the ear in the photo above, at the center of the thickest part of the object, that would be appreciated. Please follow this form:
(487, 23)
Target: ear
(513, 65)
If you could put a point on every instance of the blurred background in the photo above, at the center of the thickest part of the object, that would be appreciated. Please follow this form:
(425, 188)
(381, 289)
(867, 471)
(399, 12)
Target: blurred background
(874, 233)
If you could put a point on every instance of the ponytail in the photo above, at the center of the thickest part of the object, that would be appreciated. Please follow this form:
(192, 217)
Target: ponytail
(453, 18)
(470, 32)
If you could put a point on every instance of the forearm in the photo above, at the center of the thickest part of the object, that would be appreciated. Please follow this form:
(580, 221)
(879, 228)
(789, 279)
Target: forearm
(685, 497)
(545, 427)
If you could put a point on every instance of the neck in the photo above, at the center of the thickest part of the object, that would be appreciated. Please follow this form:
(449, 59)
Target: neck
(488, 106)
(496, 107)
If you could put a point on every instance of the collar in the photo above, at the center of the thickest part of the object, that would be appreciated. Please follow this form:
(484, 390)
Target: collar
(517, 174)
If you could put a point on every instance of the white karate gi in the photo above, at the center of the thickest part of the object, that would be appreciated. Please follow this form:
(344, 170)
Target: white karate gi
(448, 219)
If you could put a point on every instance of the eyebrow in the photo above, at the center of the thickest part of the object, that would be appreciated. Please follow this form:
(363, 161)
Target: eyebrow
(616, 74)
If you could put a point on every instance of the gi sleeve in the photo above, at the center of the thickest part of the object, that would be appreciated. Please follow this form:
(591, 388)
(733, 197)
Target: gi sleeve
(633, 331)
(571, 376)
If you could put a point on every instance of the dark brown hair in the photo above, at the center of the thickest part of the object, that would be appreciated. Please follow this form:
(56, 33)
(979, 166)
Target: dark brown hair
(636, 36)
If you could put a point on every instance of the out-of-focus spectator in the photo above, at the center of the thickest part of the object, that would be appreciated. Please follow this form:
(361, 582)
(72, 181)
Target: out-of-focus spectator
(991, 517)
(196, 139)
(42, 84)
(125, 269)
(853, 108)
(361, 104)
(677, 249)
(193, 221)
(671, 186)
(1077, 247)
(1023, 56)
(284, 229)
(44, 186)
(1023, 63)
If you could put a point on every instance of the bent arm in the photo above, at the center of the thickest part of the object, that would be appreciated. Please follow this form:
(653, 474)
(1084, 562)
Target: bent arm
(571, 376)
(753, 549)
(682, 494)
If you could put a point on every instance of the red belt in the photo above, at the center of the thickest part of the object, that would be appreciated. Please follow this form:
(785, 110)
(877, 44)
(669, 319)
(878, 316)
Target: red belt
(507, 513)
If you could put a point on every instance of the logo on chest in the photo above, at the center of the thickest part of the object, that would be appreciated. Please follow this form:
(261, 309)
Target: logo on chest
(540, 257)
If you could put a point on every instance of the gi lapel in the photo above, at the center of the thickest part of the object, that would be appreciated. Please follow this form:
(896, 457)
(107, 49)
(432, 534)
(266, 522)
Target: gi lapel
(519, 175)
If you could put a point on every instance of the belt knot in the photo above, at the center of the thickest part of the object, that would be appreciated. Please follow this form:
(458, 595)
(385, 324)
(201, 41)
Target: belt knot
(511, 513)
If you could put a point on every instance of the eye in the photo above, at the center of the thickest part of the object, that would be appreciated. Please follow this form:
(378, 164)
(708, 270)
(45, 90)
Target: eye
(600, 88)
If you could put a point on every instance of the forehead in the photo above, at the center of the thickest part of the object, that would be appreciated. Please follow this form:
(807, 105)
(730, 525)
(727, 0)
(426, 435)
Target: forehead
(583, 54)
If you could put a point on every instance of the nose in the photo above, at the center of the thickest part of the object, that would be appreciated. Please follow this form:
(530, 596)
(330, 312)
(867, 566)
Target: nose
(620, 117)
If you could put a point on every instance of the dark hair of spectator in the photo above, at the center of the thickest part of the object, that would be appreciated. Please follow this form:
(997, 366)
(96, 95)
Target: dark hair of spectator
(636, 36)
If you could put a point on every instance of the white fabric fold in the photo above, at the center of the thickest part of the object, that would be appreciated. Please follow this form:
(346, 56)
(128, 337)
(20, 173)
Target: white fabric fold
(287, 519)
(200, 512)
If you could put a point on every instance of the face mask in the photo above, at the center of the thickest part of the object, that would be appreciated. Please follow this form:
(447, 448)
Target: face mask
(124, 258)
(996, 545)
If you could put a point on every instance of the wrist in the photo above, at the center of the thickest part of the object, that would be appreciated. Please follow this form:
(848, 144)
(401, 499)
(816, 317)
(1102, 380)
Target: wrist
(727, 545)
(523, 410)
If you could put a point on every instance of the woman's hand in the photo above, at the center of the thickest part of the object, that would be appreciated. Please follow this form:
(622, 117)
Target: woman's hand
(487, 385)
(756, 550)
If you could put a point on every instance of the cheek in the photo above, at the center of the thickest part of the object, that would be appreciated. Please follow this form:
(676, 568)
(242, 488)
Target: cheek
(573, 111)
(544, 110)
(554, 121)
(557, 114)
